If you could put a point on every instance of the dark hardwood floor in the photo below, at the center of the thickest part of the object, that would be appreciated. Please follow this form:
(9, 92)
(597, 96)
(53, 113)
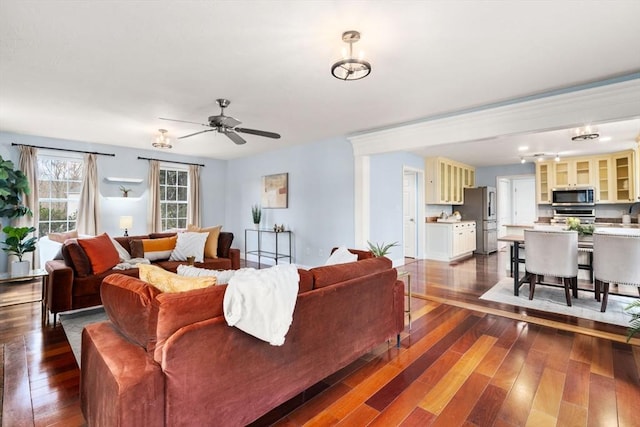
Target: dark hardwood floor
(464, 361)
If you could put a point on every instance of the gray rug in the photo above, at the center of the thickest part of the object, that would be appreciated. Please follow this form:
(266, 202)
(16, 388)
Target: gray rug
(552, 299)
(74, 322)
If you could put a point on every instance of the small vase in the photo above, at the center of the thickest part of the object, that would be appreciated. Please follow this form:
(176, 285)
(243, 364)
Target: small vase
(256, 225)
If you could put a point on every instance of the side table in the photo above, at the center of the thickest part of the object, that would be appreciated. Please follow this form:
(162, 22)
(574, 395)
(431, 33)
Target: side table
(31, 275)
(402, 275)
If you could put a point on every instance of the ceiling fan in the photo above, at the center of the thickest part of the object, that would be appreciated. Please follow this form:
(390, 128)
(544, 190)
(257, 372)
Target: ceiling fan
(226, 125)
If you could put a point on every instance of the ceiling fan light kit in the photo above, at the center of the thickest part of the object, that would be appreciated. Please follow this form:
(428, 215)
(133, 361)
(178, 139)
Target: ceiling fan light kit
(351, 68)
(161, 141)
(585, 133)
(226, 125)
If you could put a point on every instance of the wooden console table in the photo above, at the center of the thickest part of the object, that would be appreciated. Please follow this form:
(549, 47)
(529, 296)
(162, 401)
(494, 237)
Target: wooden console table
(276, 254)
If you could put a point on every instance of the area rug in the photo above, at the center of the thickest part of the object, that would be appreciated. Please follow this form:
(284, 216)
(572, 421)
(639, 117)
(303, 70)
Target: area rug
(74, 322)
(552, 299)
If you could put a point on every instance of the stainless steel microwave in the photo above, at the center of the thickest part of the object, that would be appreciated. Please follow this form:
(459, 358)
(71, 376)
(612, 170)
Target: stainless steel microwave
(573, 196)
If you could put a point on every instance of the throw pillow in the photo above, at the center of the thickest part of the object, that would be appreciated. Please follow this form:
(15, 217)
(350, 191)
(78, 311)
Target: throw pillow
(341, 256)
(222, 276)
(153, 249)
(189, 244)
(122, 252)
(61, 237)
(102, 254)
(211, 246)
(166, 281)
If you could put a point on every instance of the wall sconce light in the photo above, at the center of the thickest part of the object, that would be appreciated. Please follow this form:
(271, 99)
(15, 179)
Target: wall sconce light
(126, 222)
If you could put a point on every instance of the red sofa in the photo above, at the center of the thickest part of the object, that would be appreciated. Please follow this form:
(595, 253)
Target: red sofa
(170, 359)
(72, 285)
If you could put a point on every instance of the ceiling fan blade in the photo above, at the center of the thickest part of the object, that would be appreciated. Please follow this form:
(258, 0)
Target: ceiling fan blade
(235, 137)
(258, 132)
(196, 133)
(227, 121)
(183, 121)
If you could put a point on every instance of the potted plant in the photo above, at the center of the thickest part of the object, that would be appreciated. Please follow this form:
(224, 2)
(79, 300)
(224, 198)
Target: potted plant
(15, 244)
(125, 191)
(634, 324)
(13, 184)
(381, 249)
(256, 213)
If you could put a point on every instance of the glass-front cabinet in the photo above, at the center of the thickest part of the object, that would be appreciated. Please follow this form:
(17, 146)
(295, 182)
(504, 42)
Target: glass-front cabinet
(623, 178)
(615, 176)
(604, 192)
(573, 173)
(543, 183)
(446, 180)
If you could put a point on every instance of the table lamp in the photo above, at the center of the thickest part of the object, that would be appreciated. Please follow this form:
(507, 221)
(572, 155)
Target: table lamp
(125, 223)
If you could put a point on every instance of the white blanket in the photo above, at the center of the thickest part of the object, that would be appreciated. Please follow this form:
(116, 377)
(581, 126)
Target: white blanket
(131, 263)
(261, 302)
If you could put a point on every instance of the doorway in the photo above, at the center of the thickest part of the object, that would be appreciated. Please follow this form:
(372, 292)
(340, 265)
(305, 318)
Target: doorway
(410, 213)
(516, 202)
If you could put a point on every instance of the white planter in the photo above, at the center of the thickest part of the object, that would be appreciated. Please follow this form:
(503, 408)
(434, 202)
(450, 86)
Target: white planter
(20, 268)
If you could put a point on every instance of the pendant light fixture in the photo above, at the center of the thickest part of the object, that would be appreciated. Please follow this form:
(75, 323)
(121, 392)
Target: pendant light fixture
(162, 141)
(584, 133)
(351, 68)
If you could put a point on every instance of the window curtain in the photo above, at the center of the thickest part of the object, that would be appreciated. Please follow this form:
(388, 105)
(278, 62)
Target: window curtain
(89, 204)
(28, 164)
(154, 220)
(194, 195)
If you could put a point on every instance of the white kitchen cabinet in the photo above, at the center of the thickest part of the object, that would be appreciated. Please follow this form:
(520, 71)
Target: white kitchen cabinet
(445, 181)
(624, 180)
(450, 241)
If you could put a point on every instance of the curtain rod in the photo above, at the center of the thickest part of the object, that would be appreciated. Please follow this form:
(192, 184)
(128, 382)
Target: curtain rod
(64, 149)
(171, 161)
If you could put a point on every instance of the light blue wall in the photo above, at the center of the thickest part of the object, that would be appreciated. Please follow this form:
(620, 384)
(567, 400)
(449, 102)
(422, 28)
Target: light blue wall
(125, 164)
(486, 176)
(386, 198)
(321, 197)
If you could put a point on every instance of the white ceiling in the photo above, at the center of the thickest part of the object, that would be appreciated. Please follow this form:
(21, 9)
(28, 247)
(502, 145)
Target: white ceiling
(105, 71)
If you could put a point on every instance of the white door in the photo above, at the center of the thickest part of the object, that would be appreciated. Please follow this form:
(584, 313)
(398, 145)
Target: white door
(409, 213)
(504, 207)
(524, 200)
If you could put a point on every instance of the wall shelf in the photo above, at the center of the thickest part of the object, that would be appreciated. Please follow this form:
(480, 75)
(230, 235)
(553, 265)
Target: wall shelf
(129, 180)
(120, 198)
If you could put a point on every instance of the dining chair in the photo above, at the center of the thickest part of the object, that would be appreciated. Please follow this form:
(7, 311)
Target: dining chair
(552, 253)
(616, 259)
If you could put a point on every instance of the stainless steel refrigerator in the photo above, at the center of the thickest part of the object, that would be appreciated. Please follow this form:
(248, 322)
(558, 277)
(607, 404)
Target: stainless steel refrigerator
(480, 205)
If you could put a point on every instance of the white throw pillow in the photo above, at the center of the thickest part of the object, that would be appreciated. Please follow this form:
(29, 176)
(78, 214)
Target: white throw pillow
(222, 276)
(189, 244)
(122, 252)
(341, 256)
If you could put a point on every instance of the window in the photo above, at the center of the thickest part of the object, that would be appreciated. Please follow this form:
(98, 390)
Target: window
(174, 195)
(59, 186)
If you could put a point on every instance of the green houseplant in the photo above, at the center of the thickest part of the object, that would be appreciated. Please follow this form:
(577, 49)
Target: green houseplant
(13, 184)
(381, 249)
(256, 213)
(15, 243)
(634, 323)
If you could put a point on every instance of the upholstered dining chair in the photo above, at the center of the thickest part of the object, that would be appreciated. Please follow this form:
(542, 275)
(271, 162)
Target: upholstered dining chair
(552, 253)
(616, 259)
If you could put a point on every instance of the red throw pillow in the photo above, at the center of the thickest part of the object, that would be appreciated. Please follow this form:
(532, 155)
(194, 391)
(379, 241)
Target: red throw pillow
(101, 253)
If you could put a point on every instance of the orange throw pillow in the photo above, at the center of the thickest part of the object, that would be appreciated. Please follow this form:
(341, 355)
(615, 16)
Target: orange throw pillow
(101, 253)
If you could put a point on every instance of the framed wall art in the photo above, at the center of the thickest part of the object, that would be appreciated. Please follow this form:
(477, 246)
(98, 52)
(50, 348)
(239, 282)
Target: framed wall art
(275, 191)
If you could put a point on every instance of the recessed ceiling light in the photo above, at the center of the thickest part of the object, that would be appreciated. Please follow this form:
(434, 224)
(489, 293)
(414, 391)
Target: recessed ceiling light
(523, 148)
(605, 139)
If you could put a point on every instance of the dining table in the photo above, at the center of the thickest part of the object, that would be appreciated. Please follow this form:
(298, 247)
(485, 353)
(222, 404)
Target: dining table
(585, 244)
